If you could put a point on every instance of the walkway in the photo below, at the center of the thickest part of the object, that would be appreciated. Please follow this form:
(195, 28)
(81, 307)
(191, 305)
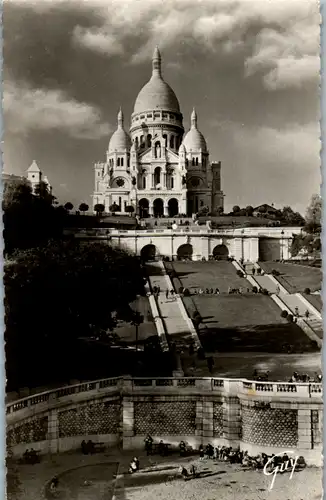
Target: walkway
(178, 325)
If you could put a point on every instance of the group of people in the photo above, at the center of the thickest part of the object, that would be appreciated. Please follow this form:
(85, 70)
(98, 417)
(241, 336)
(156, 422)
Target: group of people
(30, 456)
(303, 377)
(209, 291)
(87, 448)
(228, 454)
(134, 466)
(297, 313)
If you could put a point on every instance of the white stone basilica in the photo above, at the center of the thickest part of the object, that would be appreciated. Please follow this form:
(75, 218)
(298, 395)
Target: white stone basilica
(157, 169)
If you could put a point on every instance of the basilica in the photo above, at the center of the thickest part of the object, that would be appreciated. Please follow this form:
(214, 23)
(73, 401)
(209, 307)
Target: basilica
(157, 169)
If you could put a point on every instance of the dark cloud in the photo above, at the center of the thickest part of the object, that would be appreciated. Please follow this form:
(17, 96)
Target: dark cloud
(250, 68)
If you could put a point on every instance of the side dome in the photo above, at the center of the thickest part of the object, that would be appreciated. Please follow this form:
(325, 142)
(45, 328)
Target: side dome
(120, 140)
(156, 94)
(194, 140)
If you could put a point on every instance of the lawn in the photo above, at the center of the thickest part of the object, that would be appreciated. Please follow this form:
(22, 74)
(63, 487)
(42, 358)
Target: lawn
(295, 278)
(215, 274)
(236, 323)
(315, 300)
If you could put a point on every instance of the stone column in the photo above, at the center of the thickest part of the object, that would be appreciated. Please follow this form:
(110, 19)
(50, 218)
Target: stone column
(151, 209)
(231, 419)
(166, 210)
(53, 431)
(207, 413)
(127, 422)
(254, 250)
(304, 429)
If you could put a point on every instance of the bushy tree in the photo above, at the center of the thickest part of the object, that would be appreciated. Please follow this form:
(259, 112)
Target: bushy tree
(57, 293)
(249, 210)
(29, 220)
(314, 214)
(99, 208)
(68, 206)
(83, 207)
(130, 209)
(236, 210)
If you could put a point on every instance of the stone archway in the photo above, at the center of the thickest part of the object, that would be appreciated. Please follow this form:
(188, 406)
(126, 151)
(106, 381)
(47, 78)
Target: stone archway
(143, 208)
(221, 252)
(148, 252)
(173, 207)
(158, 207)
(185, 252)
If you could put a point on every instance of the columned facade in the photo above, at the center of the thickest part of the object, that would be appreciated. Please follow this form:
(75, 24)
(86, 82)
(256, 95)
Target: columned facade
(156, 169)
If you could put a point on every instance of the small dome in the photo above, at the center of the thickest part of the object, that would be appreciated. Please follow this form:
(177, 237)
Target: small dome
(194, 140)
(156, 94)
(120, 140)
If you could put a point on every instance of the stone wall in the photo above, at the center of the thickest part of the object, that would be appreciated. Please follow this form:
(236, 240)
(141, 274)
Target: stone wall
(257, 417)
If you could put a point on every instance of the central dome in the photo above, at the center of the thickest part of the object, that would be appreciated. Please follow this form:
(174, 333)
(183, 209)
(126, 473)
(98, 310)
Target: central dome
(156, 94)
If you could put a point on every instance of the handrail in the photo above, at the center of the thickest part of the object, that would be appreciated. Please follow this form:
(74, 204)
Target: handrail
(208, 383)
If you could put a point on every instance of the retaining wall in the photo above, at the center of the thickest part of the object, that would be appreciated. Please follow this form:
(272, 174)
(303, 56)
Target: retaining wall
(257, 416)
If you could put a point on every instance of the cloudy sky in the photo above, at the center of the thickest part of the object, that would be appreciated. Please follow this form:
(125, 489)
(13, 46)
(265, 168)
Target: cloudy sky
(250, 67)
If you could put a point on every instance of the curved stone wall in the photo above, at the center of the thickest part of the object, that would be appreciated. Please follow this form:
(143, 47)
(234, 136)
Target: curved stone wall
(256, 416)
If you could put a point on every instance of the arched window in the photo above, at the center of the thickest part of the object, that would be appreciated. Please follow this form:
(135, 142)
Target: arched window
(142, 142)
(165, 137)
(144, 182)
(176, 142)
(149, 140)
(121, 162)
(193, 162)
(172, 182)
(118, 162)
(172, 141)
(136, 142)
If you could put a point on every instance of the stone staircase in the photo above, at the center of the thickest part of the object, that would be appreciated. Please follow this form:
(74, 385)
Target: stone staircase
(178, 326)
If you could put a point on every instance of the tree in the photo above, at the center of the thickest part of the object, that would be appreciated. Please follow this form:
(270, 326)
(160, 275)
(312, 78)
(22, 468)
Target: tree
(57, 293)
(236, 210)
(249, 210)
(83, 207)
(130, 209)
(99, 208)
(220, 210)
(68, 206)
(314, 214)
(42, 190)
(114, 208)
(28, 220)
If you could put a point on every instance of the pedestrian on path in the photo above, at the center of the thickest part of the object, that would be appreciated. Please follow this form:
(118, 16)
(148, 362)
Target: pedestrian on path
(158, 290)
(307, 314)
(278, 290)
(167, 294)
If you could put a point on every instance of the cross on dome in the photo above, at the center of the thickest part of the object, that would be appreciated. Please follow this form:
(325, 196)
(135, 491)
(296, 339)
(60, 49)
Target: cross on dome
(156, 62)
(193, 118)
(120, 118)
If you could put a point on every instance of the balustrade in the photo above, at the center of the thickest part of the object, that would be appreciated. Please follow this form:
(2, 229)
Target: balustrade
(196, 384)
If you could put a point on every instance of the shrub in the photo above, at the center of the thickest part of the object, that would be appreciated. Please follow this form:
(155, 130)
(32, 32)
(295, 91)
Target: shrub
(264, 291)
(254, 289)
(186, 292)
(181, 289)
(240, 273)
(290, 318)
(195, 314)
(275, 272)
(307, 291)
(284, 314)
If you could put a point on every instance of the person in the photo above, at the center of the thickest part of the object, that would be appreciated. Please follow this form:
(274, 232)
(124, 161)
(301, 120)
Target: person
(184, 473)
(307, 314)
(277, 290)
(182, 448)
(84, 447)
(90, 447)
(26, 455)
(32, 456)
(148, 444)
(253, 271)
(167, 294)
(296, 311)
(134, 465)
(172, 292)
(211, 291)
(210, 364)
(229, 290)
(158, 290)
(217, 291)
(201, 452)
(161, 448)
(193, 471)
(54, 483)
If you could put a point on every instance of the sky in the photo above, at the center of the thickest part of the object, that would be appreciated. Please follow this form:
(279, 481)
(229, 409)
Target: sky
(250, 67)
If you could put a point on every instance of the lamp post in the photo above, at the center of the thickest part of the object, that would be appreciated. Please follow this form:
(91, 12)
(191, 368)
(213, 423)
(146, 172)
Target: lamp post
(282, 236)
(137, 319)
